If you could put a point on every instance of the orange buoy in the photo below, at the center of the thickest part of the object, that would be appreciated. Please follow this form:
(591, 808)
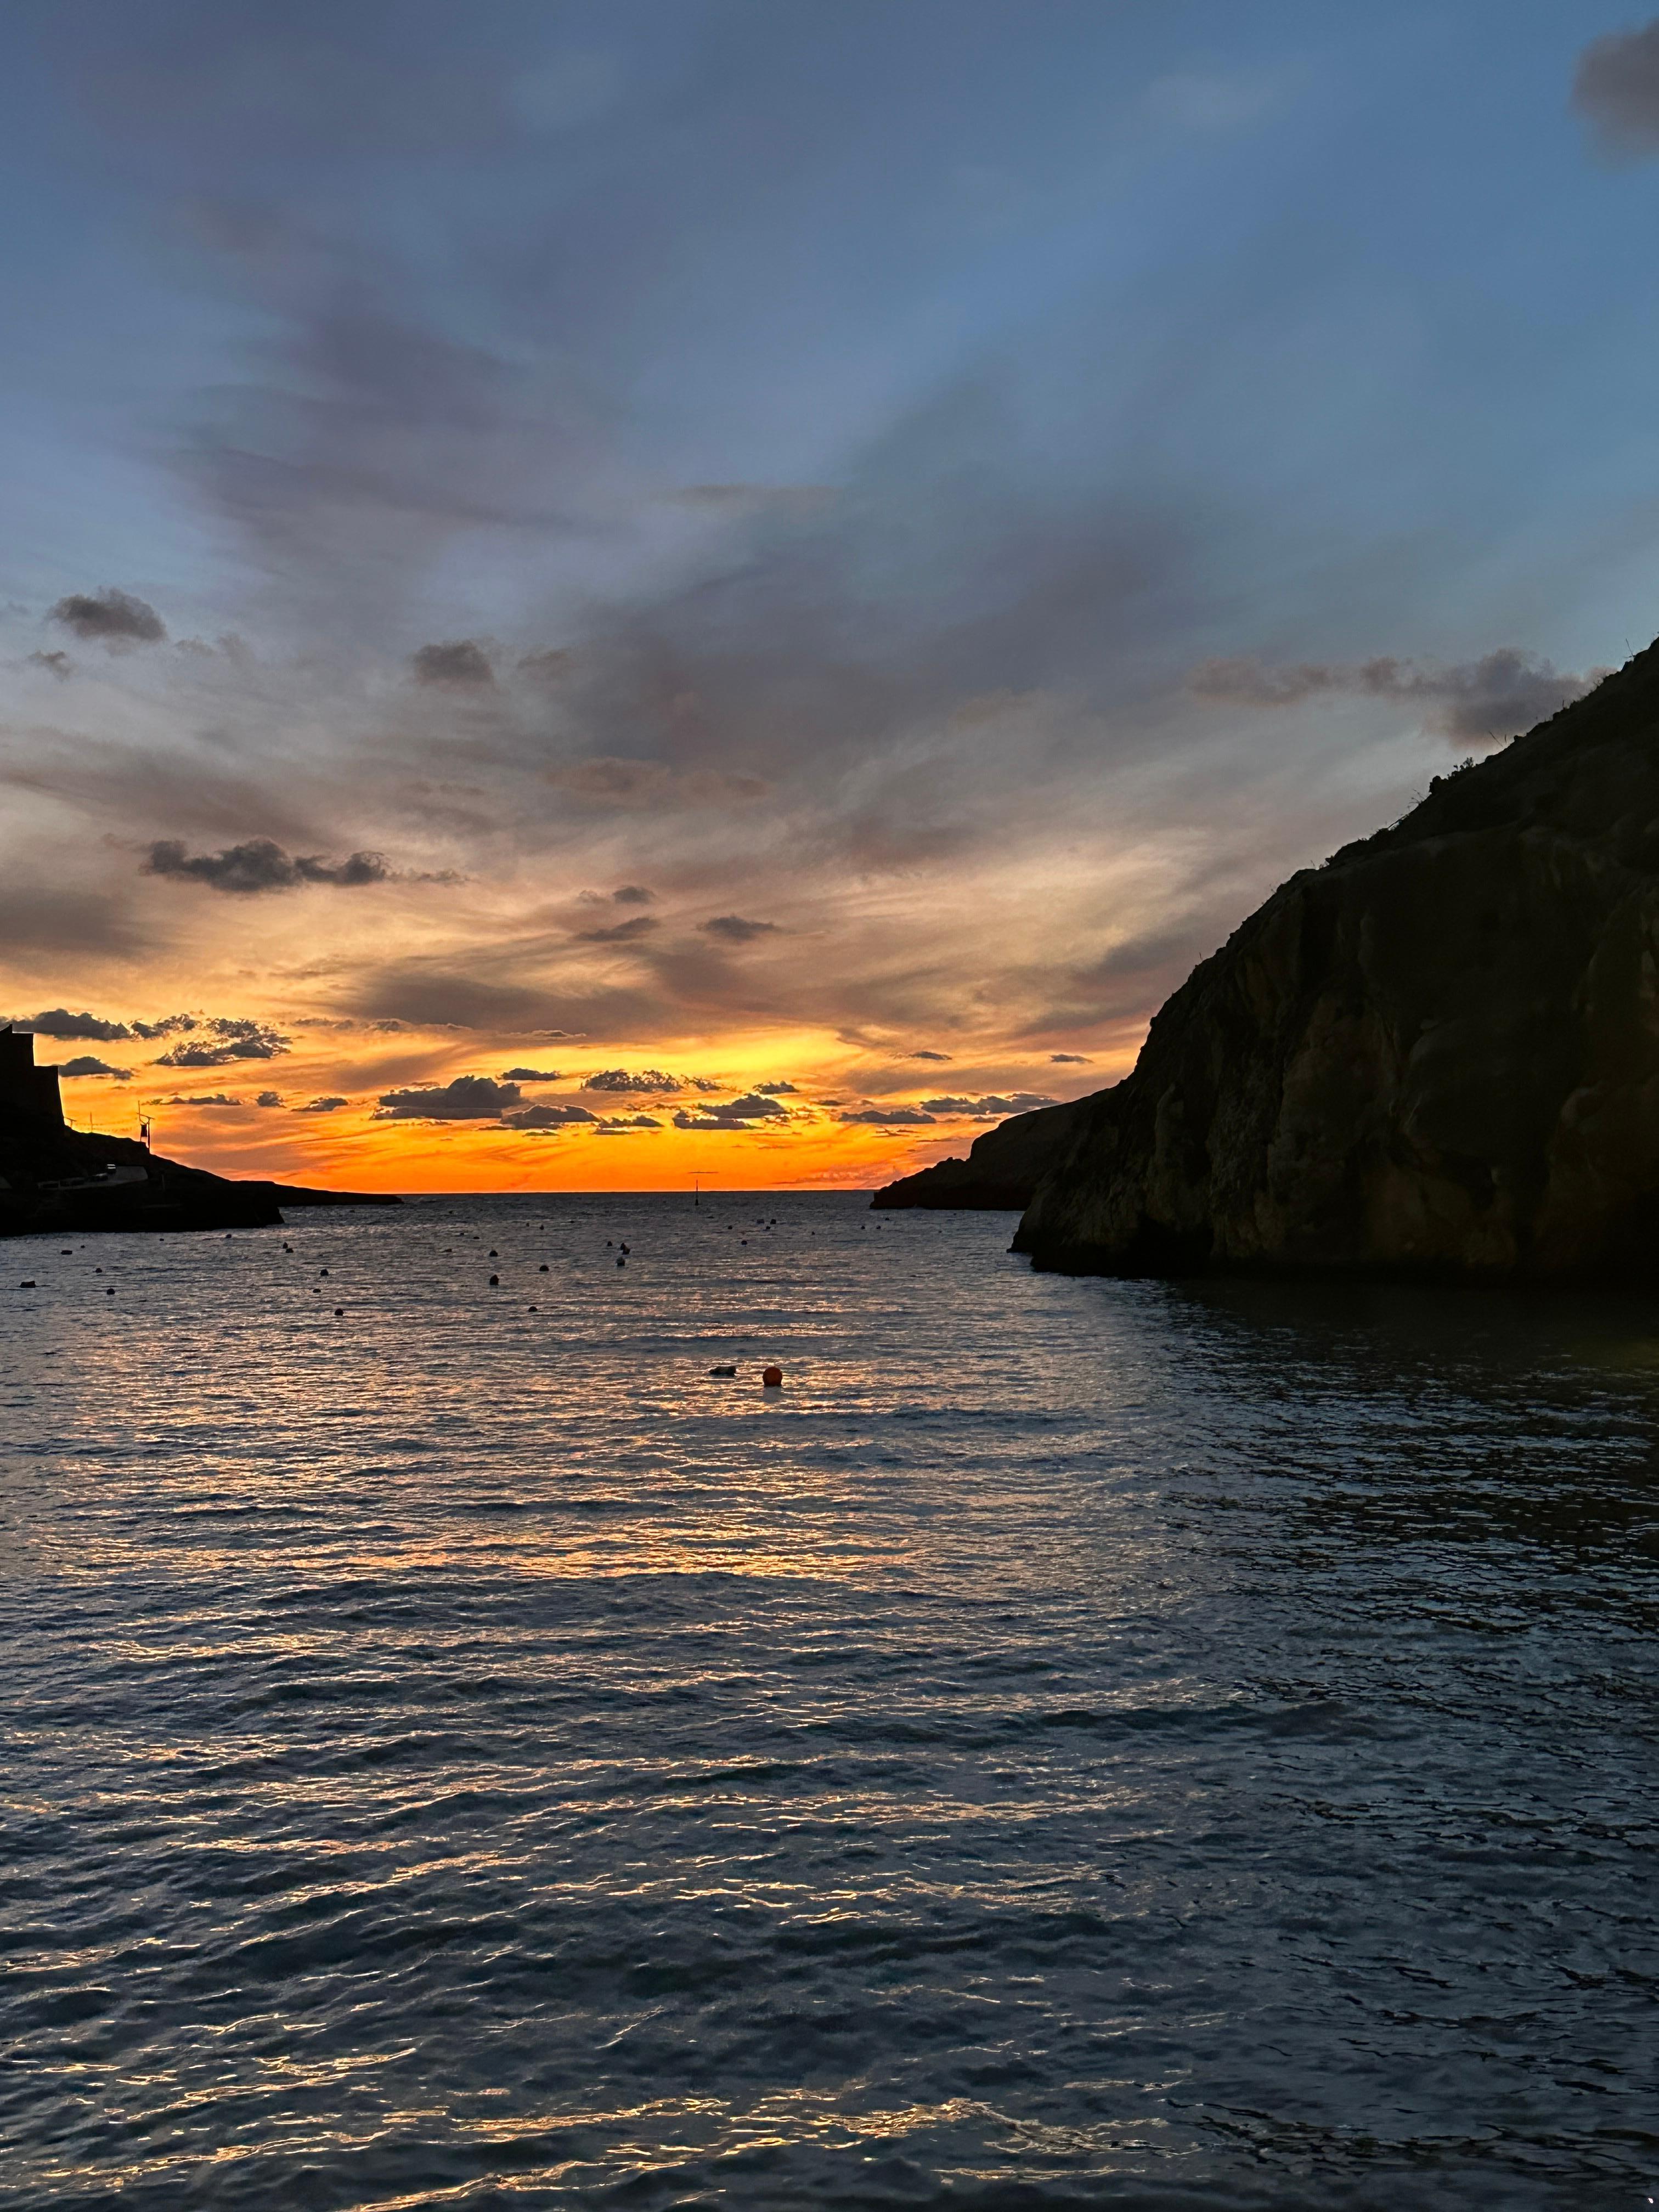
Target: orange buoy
(772, 1376)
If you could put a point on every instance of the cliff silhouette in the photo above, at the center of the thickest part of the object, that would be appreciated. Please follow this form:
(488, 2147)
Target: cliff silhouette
(1436, 1055)
(59, 1180)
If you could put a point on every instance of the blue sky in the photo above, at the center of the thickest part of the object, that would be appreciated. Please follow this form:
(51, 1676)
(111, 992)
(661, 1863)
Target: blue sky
(985, 489)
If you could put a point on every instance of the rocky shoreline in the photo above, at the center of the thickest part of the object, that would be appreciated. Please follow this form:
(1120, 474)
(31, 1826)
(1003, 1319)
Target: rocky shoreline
(1001, 1171)
(59, 1182)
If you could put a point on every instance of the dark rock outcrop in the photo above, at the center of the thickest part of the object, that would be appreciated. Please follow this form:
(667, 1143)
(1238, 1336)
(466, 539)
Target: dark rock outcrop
(1002, 1169)
(65, 1181)
(1436, 1055)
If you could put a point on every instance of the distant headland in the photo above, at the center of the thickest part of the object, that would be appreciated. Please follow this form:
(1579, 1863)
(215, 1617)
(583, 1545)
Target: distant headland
(56, 1179)
(1436, 1056)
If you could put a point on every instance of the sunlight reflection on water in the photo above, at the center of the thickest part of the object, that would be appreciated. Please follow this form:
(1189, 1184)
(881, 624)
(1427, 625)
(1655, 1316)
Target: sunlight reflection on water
(1076, 1736)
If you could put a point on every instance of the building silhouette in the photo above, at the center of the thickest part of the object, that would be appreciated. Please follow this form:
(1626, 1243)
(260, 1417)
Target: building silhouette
(23, 1086)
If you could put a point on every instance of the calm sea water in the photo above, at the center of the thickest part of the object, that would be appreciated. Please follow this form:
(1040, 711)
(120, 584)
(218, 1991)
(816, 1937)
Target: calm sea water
(1078, 1744)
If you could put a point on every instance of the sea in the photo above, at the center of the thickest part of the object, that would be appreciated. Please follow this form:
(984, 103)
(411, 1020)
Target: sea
(1072, 1744)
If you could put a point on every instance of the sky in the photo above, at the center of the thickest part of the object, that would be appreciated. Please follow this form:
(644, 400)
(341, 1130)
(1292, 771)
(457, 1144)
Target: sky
(598, 593)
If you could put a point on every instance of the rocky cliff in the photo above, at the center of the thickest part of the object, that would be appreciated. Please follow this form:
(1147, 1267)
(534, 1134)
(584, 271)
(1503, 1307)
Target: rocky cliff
(1002, 1169)
(66, 1181)
(1436, 1055)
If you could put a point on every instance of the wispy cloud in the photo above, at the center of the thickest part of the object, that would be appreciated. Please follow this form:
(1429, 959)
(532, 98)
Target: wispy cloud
(1503, 692)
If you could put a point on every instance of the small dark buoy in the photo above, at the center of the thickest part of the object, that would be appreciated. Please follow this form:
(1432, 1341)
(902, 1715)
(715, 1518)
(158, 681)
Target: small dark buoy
(29, 1285)
(338, 1310)
(494, 1280)
(608, 1246)
(287, 1248)
(772, 1376)
(530, 1309)
(542, 1270)
(492, 1253)
(621, 1262)
(628, 1247)
(68, 1252)
(97, 1271)
(722, 1371)
(109, 1291)
(322, 1270)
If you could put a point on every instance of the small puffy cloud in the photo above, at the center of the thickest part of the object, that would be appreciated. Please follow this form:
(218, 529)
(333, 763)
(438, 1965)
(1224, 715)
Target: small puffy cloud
(930, 1056)
(1503, 692)
(84, 1063)
(259, 865)
(467, 1098)
(461, 665)
(733, 929)
(547, 1117)
(620, 933)
(619, 1125)
(734, 1114)
(202, 1098)
(110, 617)
(268, 1098)
(618, 1078)
(59, 1022)
(889, 1117)
(169, 1025)
(235, 1040)
(1616, 90)
(318, 1105)
(632, 895)
(55, 664)
(1069, 1059)
(775, 1090)
(530, 1075)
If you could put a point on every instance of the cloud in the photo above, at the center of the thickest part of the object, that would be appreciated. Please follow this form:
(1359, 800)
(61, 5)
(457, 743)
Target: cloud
(85, 1065)
(1506, 691)
(1069, 1059)
(202, 1098)
(259, 865)
(110, 617)
(618, 1124)
(55, 664)
(618, 1078)
(606, 780)
(734, 930)
(59, 1022)
(268, 1098)
(558, 1116)
(530, 1075)
(65, 919)
(467, 1098)
(776, 1090)
(632, 895)
(237, 1040)
(885, 1117)
(620, 933)
(169, 1025)
(735, 1114)
(421, 996)
(929, 1056)
(461, 665)
(1616, 90)
(317, 1105)
(989, 1108)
